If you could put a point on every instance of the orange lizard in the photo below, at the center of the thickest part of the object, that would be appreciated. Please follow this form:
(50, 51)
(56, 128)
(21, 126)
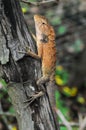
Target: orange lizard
(45, 40)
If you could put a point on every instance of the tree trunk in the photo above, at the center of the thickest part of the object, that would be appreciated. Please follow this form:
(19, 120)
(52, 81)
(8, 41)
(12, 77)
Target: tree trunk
(20, 71)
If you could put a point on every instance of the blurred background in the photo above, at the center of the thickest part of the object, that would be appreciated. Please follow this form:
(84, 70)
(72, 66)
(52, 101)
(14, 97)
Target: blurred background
(68, 18)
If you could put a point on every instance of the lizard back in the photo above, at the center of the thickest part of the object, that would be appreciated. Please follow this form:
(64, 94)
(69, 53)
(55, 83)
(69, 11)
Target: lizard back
(46, 45)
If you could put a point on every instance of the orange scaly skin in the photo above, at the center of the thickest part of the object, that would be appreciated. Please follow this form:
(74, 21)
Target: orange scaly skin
(45, 40)
(45, 37)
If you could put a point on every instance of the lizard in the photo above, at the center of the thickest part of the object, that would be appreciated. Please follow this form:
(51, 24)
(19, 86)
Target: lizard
(45, 39)
(46, 47)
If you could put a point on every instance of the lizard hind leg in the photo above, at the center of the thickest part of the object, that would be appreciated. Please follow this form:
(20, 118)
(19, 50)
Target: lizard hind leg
(41, 83)
(32, 98)
(42, 80)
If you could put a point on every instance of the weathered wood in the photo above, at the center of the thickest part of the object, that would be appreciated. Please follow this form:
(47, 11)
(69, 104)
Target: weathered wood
(24, 116)
(21, 72)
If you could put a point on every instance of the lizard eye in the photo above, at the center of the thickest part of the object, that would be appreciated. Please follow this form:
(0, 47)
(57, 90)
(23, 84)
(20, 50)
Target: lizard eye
(43, 23)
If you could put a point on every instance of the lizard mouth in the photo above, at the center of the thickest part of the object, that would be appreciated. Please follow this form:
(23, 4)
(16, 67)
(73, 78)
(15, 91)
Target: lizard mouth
(36, 17)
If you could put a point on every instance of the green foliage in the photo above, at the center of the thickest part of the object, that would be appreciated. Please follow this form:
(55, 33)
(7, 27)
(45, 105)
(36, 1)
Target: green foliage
(78, 45)
(3, 89)
(4, 97)
(11, 110)
(61, 30)
(49, 15)
(61, 107)
(61, 75)
(56, 21)
(2, 81)
(26, 7)
(64, 109)
(60, 104)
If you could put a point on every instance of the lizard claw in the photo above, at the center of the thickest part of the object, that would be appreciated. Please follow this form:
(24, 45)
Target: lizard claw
(26, 50)
(33, 98)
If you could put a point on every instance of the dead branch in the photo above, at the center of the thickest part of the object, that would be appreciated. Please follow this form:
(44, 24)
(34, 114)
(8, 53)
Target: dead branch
(39, 3)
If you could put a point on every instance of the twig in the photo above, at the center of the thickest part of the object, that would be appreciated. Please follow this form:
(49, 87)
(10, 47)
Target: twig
(66, 123)
(72, 124)
(82, 121)
(6, 114)
(83, 125)
(39, 3)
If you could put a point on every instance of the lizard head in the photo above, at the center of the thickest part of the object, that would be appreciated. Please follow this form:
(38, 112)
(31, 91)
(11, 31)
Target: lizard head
(41, 23)
(43, 28)
(41, 19)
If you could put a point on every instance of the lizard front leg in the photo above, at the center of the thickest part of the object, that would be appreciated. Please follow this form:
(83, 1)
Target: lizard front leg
(32, 54)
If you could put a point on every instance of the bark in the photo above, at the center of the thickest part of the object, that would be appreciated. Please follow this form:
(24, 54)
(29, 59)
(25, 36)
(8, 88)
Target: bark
(20, 71)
